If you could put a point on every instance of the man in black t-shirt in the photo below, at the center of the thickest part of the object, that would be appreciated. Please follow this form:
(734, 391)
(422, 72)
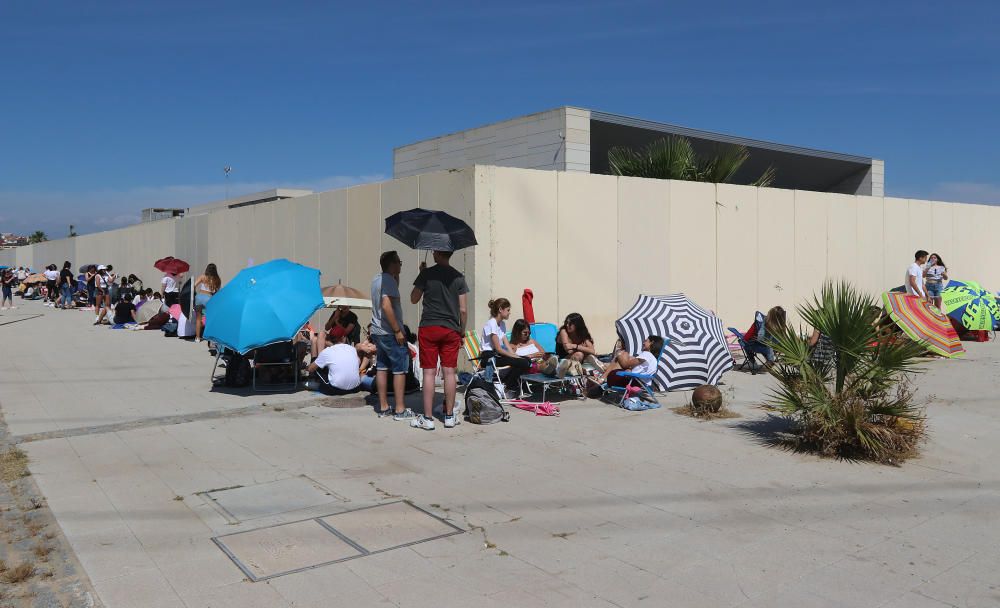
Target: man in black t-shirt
(442, 322)
(124, 312)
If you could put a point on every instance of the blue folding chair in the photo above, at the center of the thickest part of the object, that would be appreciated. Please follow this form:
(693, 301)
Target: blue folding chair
(644, 382)
(749, 355)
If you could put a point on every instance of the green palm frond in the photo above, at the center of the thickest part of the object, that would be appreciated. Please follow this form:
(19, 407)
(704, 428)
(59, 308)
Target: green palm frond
(853, 405)
(674, 157)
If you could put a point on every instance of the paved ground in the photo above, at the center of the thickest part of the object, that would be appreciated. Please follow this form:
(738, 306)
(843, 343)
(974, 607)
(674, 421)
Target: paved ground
(599, 507)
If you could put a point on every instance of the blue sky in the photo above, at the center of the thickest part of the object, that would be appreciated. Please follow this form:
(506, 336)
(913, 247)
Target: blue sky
(109, 107)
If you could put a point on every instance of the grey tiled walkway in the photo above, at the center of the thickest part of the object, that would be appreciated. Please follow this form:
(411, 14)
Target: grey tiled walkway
(599, 507)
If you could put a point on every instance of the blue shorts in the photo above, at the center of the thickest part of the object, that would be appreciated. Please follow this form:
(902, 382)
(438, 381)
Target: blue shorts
(934, 289)
(390, 356)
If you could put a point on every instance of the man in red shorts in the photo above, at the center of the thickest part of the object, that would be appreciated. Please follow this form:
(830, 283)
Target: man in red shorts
(442, 324)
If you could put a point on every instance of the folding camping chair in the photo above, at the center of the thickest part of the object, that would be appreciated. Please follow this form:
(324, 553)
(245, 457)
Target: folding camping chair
(749, 355)
(483, 366)
(279, 354)
(545, 334)
(638, 383)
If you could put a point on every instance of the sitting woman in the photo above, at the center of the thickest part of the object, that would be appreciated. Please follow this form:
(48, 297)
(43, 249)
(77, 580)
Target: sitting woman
(526, 346)
(342, 323)
(494, 340)
(643, 363)
(823, 353)
(773, 323)
(574, 343)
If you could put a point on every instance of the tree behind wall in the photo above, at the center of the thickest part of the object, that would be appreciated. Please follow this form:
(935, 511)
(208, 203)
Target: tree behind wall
(674, 158)
(37, 237)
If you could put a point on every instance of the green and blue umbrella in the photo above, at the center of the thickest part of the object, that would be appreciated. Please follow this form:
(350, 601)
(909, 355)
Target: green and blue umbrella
(971, 305)
(263, 305)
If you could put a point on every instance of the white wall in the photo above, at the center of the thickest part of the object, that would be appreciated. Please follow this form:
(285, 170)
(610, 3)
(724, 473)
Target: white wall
(582, 243)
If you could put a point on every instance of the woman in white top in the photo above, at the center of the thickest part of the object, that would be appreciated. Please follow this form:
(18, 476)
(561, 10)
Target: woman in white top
(170, 289)
(205, 287)
(102, 294)
(494, 338)
(935, 278)
(526, 346)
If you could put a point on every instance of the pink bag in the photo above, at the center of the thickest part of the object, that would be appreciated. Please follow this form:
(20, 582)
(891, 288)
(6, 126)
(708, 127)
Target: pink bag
(546, 408)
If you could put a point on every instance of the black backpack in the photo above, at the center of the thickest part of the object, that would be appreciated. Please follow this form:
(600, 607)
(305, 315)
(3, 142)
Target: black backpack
(482, 403)
(237, 370)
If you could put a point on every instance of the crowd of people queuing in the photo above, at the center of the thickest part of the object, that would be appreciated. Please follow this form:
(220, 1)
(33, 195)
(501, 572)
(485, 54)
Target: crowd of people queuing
(342, 361)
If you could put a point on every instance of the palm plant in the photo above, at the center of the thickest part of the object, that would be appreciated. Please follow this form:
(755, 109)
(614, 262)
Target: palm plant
(674, 158)
(857, 404)
(37, 237)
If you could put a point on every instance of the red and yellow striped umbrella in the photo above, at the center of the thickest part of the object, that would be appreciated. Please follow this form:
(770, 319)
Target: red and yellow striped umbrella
(923, 323)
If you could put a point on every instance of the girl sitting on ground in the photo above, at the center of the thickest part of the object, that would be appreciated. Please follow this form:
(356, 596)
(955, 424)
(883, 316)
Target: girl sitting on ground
(494, 339)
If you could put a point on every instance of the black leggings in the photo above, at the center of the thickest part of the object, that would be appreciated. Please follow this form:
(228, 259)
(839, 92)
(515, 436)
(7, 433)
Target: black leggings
(517, 367)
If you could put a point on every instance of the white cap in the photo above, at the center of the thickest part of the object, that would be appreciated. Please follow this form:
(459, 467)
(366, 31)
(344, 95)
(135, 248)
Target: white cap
(102, 267)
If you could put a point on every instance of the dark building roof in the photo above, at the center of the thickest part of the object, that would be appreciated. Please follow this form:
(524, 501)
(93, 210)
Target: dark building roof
(795, 167)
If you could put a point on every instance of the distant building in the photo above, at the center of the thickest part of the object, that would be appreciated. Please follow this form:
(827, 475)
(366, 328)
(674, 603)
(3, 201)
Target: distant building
(9, 240)
(156, 213)
(576, 139)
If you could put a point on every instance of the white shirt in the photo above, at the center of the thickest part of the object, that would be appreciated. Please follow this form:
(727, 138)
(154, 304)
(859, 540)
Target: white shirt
(647, 363)
(169, 284)
(918, 273)
(51, 275)
(492, 328)
(342, 364)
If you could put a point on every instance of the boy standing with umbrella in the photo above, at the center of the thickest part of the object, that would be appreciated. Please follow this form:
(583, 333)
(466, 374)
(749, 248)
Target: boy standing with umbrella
(442, 322)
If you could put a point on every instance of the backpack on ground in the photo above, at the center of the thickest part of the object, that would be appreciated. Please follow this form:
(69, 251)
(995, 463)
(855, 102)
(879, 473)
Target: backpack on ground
(237, 370)
(482, 404)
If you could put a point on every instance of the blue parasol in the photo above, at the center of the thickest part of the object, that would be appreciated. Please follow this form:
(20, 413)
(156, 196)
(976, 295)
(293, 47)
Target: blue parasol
(263, 305)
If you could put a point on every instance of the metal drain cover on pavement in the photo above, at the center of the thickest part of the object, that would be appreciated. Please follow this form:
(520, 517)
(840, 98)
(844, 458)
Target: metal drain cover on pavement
(287, 548)
(272, 498)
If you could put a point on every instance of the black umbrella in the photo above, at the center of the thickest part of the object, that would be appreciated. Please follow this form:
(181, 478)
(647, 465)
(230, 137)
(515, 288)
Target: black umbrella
(430, 230)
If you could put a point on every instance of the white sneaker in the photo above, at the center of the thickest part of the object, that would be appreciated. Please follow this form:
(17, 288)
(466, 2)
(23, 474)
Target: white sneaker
(96, 319)
(422, 422)
(197, 340)
(450, 421)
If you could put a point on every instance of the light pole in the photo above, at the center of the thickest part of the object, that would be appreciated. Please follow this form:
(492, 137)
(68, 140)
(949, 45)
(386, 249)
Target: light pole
(227, 170)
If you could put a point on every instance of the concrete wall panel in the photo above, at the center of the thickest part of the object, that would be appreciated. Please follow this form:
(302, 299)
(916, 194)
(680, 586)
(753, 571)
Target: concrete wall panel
(811, 217)
(899, 246)
(587, 257)
(643, 239)
(306, 231)
(692, 238)
(921, 224)
(517, 244)
(261, 248)
(364, 216)
(841, 237)
(737, 216)
(870, 274)
(943, 229)
(775, 255)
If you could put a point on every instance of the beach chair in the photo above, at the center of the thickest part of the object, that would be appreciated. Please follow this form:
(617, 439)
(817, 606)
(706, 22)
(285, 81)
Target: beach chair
(641, 384)
(483, 366)
(545, 334)
(278, 355)
(749, 355)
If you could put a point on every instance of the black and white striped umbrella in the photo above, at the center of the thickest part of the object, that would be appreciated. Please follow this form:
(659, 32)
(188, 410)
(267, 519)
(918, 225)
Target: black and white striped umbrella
(697, 352)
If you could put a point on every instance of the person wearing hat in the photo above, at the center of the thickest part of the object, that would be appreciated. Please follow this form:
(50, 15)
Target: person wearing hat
(102, 294)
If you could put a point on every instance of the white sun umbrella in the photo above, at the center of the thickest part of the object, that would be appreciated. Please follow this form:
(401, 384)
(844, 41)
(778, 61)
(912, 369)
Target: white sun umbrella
(697, 352)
